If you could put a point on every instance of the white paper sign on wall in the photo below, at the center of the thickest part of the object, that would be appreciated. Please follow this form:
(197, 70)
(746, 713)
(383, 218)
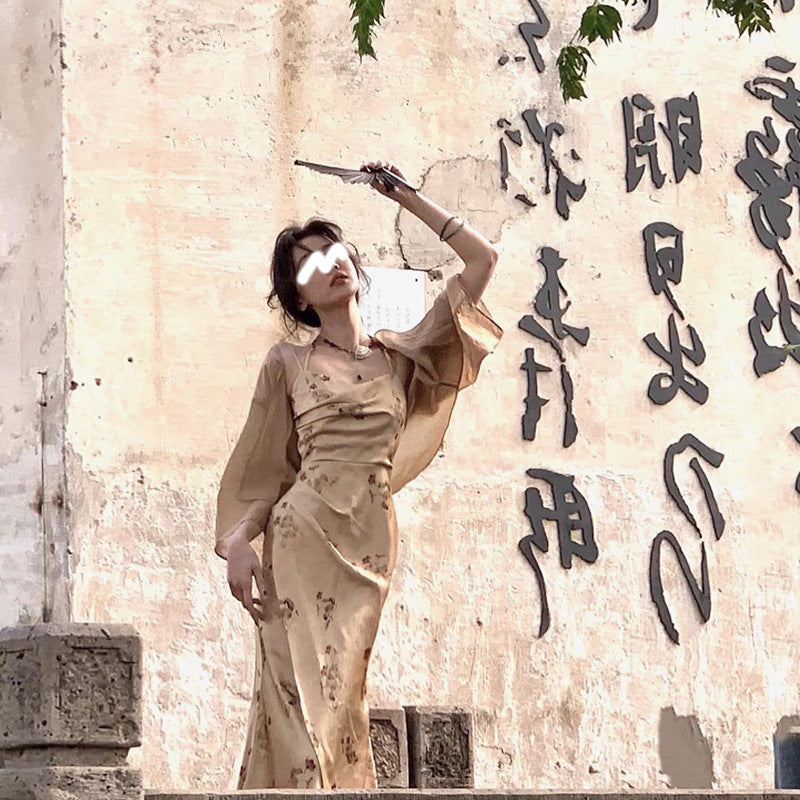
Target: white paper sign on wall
(395, 299)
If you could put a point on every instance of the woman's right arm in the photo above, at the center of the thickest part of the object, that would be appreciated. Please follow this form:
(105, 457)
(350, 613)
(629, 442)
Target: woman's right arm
(244, 566)
(261, 468)
(264, 461)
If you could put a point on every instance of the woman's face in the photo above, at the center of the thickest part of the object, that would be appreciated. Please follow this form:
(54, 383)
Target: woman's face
(324, 272)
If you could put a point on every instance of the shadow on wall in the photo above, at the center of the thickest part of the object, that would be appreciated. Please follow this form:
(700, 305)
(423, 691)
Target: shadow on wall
(786, 746)
(684, 752)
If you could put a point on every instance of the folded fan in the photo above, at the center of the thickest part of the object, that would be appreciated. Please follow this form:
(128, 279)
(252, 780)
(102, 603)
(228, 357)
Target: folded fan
(389, 179)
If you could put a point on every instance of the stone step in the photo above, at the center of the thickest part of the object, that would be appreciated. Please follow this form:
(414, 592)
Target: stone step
(72, 743)
(469, 794)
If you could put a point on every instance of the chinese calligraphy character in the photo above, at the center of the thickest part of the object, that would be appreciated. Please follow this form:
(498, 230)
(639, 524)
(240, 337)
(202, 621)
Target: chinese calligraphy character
(565, 188)
(548, 305)
(533, 402)
(535, 30)
(645, 137)
(701, 593)
(707, 454)
(665, 263)
(768, 211)
(685, 138)
(682, 131)
(786, 104)
(572, 516)
(769, 357)
(665, 385)
(548, 298)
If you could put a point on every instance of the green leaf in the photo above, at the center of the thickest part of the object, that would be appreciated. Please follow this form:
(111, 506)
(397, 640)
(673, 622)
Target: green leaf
(611, 22)
(588, 24)
(748, 15)
(367, 14)
(600, 22)
(572, 64)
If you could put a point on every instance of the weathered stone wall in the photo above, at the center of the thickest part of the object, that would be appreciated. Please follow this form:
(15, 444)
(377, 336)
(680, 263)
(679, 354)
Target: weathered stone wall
(33, 579)
(182, 122)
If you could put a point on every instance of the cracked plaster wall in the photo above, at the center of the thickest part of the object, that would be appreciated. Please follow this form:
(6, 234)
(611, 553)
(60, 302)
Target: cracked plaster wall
(33, 538)
(181, 123)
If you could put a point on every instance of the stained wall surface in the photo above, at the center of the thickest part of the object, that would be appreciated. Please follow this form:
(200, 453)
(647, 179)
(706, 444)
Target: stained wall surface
(33, 540)
(181, 125)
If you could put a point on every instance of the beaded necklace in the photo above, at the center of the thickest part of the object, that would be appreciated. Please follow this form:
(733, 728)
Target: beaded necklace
(361, 351)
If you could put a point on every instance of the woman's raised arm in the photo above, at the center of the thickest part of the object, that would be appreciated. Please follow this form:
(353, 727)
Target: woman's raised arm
(478, 253)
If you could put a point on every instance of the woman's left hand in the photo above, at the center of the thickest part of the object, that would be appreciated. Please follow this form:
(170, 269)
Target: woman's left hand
(398, 192)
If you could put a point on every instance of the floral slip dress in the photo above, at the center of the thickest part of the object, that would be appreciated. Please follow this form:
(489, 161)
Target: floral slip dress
(316, 466)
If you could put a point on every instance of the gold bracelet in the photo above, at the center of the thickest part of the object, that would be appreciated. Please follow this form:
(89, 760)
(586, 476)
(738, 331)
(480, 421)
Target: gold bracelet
(451, 235)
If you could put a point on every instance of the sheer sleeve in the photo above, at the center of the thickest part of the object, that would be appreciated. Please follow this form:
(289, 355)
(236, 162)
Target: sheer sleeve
(446, 349)
(265, 460)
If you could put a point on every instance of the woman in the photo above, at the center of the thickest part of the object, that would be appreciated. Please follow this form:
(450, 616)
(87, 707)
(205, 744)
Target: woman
(335, 427)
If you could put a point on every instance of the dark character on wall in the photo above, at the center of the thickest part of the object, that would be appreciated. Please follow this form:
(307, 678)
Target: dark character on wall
(535, 30)
(548, 298)
(648, 19)
(665, 385)
(565, 188)
(780, 64)
(533, 402)
(787, 309)
(685, 138)
(516, 137)
(792, 168)
(682, 131)
(547, 304)
(710, 456)
(570, 423)
(665, 262)
(503, 165)
(786, 100)
(769, 357)
(531, 325)
(640, 142)
(796, 435)
(769, 212)
(571, 514)
(701, 593)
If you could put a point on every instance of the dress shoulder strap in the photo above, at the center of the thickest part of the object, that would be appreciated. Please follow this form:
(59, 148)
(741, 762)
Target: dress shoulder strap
(308, 356)
(297, 358)
(385, 351)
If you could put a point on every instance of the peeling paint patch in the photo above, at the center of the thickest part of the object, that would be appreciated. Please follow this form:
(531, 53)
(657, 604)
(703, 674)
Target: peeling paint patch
(785, 726)
(684, 752)
(471, 187)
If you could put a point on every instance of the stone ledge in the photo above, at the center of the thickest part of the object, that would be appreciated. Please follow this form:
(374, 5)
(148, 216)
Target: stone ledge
(470, 794)
(70, 684)
(439, 747)
(387, 730)
(71, 783)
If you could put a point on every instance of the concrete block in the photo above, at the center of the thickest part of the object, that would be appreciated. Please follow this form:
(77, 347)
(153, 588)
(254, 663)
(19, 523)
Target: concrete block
(387, 731)
(440, 749)
(71, 783)
(70, 685)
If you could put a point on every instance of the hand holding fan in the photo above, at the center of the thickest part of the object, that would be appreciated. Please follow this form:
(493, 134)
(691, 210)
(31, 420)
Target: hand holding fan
(385, 176)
